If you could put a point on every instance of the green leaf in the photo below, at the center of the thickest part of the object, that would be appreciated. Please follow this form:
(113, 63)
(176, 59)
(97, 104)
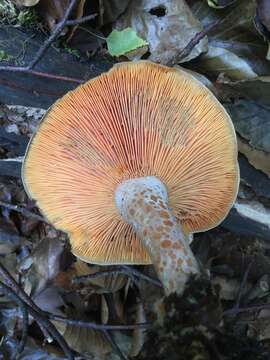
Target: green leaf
(122, 42)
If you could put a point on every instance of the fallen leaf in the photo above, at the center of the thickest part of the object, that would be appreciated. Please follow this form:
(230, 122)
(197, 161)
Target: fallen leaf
(252, 122)
(122, 42)
(110, 10)
(220, 4)
(138, 336)
(88, 342)
(26, 3)
(10, 240)
(102, 284)
(45, 264)
(168, 26)
(259, 159)
(235, 49)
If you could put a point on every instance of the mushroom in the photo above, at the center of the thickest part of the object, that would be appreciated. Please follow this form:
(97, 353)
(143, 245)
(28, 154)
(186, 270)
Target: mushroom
(130, 163)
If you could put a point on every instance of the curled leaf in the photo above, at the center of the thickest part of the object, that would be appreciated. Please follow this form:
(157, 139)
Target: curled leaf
(168, 26)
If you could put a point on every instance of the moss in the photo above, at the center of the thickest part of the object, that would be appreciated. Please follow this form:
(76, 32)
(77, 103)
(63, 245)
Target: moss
(4, 56)
(11, 15)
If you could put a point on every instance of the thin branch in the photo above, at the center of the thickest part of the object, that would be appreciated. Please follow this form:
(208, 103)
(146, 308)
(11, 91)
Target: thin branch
(56, 32)
(36, 312)
(114, 345)
(142, 276)
(43, 317)
(81, 20)
(242, 285)
(193, 42)
(23, 211)
(25, 70)
(125, 270)
(29, 69)
(92, 325)
(235, 311)
(7, 291)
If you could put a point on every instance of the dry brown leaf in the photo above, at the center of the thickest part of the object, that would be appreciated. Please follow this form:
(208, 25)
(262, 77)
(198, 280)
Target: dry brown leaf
(138, 336)
(108, 283)
(90, 343)
(259, 159)
(27, 3)
(52, 11)
(167, 26)
(44, 264)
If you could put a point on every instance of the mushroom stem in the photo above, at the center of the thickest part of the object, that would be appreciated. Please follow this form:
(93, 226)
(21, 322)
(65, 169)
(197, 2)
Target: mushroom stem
(143, 203)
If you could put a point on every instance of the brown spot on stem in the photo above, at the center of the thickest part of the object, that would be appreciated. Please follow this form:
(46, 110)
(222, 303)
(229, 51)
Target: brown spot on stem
(166, 244)
(180, 262)
(164, 214)
(190, 262)
(153, 197)
(148, 208)
(168, 223)
(131, 212)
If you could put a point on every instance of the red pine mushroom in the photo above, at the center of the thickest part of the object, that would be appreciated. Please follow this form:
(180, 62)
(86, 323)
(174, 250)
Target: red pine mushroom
(130, 163)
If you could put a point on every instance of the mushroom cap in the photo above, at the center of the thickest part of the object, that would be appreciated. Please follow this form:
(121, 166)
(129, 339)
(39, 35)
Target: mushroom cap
(138, 119)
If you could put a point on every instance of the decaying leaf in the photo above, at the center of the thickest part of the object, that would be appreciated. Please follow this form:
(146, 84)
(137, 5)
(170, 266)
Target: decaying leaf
(125, 41)
(167, 26)
(220, 4)
(92, 344)
(252, 122)
(53, 11)
(26, 2)
(109, 10)
(10, 239)
(108, 283)
(234, 47)
(138, 336)
(262, 21)
(259, 159)
(44, 264)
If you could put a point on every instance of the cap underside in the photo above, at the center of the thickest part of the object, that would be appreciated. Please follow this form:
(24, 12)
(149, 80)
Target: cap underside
(139, 119)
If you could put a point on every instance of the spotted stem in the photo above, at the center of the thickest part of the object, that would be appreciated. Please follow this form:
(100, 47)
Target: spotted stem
(143, 203)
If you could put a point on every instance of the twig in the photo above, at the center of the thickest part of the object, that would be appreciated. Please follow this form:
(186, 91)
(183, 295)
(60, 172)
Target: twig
(114, 345)
(56, 32)
(43, 317)
(242, 285)
(102, 327)
(7, 291)
(142, 276)
(81, 20)
(125, 270)
(235, 311)
(193, 42)
(36, 312)
(23, 211)
(29, 69)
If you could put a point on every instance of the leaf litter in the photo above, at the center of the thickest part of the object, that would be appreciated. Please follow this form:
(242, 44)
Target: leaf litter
(224, 315)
